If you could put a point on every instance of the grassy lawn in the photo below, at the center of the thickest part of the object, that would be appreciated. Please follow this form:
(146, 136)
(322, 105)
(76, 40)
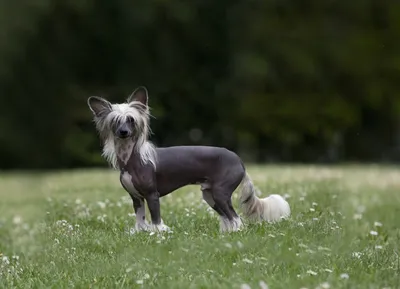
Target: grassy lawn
(70, 230)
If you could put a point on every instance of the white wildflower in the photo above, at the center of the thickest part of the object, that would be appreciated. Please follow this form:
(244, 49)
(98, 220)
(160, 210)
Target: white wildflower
(357, 217)
(311, 272)
(17, 220)
(361, 209)
(356, 254)
(247, 261)
(101, 218)
(314, 204)
(374, 233)
(5, 260)
(263, 285)
(320, 248)
(101, 204)
(139, 281)
(328, 270)
(324, 285)
(344, 276)
(377, 224)
(378, 247)
(62, 222)
(312, 210)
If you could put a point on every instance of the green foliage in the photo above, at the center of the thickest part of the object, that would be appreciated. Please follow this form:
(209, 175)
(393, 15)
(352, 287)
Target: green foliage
(297, 82)
(76, 234)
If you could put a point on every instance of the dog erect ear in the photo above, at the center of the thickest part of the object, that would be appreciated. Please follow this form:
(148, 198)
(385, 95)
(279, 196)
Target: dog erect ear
(139, 94)
(99, 106)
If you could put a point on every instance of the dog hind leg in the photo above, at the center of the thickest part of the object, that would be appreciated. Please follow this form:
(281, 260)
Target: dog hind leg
(207, 196)
(224, 212)
(230, 221)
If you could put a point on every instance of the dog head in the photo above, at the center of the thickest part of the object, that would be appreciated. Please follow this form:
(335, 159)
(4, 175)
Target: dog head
(129, 120)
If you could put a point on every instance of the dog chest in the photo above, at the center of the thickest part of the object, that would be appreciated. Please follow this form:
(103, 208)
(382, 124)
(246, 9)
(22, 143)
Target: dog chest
(126, 181)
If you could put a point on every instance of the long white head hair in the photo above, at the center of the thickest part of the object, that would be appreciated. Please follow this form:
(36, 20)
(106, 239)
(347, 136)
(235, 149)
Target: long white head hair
(134, 112)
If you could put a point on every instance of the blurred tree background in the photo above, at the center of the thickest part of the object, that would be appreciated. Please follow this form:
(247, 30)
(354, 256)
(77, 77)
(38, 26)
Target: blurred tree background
(276, 81)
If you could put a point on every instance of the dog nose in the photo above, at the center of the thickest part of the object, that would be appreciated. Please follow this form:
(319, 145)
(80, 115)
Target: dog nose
(123, 133)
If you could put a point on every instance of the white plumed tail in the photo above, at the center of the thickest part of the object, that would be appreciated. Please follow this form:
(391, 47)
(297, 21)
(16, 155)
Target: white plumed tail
(271, 209)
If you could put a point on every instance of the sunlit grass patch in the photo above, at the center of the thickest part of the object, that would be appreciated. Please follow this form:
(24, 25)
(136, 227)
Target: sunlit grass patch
(343, 233)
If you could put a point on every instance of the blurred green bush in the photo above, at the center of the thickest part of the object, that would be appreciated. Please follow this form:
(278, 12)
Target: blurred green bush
(305, 81)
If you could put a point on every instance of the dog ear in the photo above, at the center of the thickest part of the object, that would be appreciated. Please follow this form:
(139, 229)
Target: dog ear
(139, 94)
(99, 106)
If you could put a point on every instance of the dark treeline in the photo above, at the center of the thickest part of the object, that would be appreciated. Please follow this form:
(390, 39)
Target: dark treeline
(308, 81)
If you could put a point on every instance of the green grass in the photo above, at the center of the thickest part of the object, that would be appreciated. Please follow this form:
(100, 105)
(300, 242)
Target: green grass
(62, 237)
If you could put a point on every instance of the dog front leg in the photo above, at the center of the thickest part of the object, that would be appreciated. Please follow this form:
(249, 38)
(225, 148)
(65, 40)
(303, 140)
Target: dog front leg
(153, 202)
(140, 211)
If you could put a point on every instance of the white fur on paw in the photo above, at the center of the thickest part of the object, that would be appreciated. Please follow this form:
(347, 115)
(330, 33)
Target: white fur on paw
(142, 226)
(230, 226)
(160, 228)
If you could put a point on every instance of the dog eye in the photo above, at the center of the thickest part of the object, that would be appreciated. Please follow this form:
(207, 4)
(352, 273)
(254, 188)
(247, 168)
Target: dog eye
(130, 119)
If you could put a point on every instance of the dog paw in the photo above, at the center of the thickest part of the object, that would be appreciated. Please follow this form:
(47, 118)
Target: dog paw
(142, 226)
(160, 228)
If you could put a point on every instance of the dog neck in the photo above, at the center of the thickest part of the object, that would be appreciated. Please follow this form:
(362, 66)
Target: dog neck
(124, 149)
(127, 149)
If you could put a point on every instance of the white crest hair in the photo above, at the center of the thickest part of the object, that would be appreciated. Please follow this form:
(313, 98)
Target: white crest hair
(120, 112)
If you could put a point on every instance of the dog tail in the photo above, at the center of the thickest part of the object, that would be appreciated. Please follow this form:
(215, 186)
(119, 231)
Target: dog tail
(271, 209)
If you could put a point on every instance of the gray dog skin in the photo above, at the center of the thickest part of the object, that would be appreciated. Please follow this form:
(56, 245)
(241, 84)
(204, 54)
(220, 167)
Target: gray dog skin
(148, 173)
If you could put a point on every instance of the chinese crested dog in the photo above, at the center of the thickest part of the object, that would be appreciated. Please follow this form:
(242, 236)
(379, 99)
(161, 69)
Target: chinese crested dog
(148, 173)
